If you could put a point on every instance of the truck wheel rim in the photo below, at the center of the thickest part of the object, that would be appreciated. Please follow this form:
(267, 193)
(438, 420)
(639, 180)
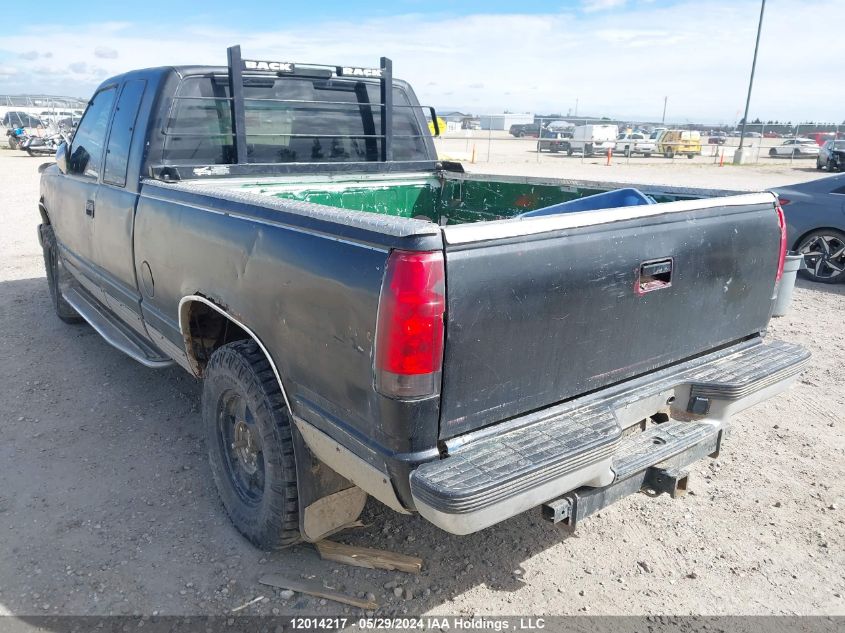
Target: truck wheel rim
(825, 256)
(240, 442)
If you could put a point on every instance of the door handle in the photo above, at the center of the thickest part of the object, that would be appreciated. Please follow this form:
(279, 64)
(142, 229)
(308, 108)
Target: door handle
(89, 208)
(654, 275)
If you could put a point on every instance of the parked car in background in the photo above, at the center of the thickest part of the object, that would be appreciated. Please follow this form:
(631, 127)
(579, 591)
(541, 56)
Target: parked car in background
(55, 115)
(820, 138)
(552, 140)
(772, 134)
(16, 119)
(524, 129)
(717, 138)
(831, 156)
(815, 225)
(592, 139)
(796, 147)
(20, 125)
(560, 126)
(687, 142)
(635, 143)
(69, 123)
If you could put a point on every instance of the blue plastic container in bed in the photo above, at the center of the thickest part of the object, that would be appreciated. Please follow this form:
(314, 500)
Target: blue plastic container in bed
(607, 200)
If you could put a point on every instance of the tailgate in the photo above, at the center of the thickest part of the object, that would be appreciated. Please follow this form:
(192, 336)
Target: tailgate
(543, 309)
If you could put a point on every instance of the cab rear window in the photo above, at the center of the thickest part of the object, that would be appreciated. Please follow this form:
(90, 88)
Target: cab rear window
(289, 119)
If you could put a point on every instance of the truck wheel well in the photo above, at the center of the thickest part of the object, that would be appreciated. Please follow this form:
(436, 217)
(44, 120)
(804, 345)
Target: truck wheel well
(205, 330)
(45, 219)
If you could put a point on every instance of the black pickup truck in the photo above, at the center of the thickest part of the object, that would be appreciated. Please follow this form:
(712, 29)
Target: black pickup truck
(368, 320)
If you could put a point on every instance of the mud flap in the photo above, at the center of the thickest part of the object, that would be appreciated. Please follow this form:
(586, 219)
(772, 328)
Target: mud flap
(327, 501)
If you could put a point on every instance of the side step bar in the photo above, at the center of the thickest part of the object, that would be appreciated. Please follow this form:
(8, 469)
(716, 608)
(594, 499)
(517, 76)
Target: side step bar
(112, 330)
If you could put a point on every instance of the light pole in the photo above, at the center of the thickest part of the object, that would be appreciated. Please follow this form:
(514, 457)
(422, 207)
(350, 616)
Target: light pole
(738, 155)
(665, 101)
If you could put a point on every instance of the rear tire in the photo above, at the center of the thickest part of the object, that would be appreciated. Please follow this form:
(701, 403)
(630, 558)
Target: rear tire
(669, 153)
(773, 152)
(53, 267)
(690, 156)
(250, 447)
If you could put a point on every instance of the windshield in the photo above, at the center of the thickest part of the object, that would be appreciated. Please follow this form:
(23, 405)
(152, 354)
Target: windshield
(284, 122)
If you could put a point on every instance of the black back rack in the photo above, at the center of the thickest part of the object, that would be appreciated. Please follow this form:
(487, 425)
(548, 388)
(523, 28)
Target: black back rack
(238, 67)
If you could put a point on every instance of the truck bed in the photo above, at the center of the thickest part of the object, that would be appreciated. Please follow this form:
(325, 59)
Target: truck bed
(540, 310)
(443, 197)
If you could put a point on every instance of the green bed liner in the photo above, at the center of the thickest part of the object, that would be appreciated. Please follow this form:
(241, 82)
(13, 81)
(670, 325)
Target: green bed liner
(442, 200)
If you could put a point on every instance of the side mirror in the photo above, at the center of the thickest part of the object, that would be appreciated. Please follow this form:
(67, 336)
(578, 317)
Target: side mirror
(61, 157)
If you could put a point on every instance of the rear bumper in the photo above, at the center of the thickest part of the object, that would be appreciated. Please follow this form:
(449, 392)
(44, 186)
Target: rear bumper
(594, 443)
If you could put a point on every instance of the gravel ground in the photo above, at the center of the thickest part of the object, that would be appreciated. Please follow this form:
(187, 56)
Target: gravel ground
(107, 504)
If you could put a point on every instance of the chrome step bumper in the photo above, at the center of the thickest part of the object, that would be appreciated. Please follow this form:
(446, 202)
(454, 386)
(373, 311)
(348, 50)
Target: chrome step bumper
(496, 475)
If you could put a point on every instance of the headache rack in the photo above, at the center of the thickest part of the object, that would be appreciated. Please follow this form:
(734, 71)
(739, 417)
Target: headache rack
(240, 166)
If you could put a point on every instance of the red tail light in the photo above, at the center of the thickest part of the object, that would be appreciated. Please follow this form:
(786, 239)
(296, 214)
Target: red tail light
(782, 257)
(409, 332)
(783, 201)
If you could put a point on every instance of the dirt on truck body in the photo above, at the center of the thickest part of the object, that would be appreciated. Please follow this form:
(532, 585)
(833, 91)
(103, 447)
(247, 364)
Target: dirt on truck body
(369, 320)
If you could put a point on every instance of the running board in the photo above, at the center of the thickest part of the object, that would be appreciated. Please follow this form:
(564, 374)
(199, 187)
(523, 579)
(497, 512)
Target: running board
(114, 331)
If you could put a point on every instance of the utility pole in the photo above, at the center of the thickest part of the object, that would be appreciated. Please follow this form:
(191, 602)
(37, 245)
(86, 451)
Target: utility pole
(738, 155)
(663, 120)
(576, 107)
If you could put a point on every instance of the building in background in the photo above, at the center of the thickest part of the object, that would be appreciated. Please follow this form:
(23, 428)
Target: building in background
(504, 121)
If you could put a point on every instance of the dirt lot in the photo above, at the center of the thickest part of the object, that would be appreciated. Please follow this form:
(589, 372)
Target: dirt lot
(510, 155)
(107, 504)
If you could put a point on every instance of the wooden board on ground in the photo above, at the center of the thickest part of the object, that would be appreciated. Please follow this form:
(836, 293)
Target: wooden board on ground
(315, 589)
(367, 557)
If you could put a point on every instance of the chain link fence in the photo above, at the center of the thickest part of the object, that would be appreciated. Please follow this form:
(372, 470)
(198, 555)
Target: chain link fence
(588, 139)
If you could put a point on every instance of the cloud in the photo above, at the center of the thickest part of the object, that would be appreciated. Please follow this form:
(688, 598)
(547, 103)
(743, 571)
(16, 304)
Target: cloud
(591, 6)
(29, 55)
(104, 52)
(615, 63)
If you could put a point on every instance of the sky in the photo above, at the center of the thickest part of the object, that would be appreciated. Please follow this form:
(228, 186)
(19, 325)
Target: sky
(616, 58)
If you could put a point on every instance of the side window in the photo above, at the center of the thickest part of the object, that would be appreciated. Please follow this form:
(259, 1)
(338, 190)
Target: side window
(86, 151)
(123, 124)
